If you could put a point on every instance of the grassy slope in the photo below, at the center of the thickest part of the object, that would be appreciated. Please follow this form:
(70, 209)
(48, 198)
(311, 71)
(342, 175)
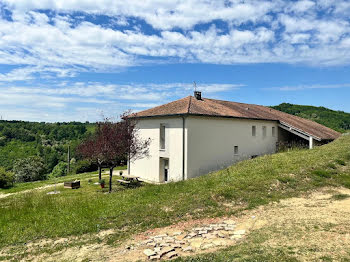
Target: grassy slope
(35, 215)
(337, 120)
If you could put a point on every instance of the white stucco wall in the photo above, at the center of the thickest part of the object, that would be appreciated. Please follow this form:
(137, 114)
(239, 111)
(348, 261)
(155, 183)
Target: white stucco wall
(148, 168)
(211, 142)
(209, 145)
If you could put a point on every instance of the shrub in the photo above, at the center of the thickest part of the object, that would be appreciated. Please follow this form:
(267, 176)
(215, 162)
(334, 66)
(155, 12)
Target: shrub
(83, 166)
(59, 170)
(29, 169)
(6, 178)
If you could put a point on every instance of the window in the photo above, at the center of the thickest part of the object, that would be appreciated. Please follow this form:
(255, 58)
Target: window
(162, 137)
(264, 131)
(235, 150)
(273, 131)
(253, 130)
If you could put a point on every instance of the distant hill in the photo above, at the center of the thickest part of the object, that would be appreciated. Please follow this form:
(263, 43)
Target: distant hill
(337, 120)
(20, 139)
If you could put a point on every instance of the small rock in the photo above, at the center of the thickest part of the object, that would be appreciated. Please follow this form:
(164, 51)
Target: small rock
(176, 245)
(156, 257)
(202, 232)
(180, 242)
(177, 233)
(166, 251)
(157, 249)
(149, 252)
(180, 237)
(171, 254)
(236, 237)
(187, 249)
(191, 235)
(210, 236)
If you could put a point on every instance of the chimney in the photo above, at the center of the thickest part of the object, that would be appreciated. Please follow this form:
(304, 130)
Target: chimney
(198, 95)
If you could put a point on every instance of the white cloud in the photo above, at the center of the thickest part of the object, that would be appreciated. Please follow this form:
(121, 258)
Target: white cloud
(315, 86)
(160, 14)
(50, 45)
(81, 101)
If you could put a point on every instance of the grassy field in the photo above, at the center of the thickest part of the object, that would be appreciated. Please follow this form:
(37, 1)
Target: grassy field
(18, 187)
(36, 215)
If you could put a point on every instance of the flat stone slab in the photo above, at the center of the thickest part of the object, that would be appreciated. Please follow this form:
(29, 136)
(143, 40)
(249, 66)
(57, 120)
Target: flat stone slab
(149, 252)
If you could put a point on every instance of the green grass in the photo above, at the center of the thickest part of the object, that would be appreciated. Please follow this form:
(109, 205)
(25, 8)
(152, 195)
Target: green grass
(18, 187)
(35, 215)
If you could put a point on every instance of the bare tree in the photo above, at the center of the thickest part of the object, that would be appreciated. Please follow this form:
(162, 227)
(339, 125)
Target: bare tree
(114, 142)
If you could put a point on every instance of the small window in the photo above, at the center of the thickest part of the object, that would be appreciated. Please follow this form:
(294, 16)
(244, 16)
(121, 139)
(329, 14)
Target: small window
(162, 136)
(235, 150)
(264, 131)
(253, 130)
(273, 131)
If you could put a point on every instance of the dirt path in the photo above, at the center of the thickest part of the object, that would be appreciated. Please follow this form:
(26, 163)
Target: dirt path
(313, 226)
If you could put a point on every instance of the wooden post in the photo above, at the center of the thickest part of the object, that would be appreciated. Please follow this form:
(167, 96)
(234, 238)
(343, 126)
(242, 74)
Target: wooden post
(110, 179)
(68, 166)
(311, 143)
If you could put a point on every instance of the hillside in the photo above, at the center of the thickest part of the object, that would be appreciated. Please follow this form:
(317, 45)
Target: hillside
(88, 217)
(20, 139)
(337, 120)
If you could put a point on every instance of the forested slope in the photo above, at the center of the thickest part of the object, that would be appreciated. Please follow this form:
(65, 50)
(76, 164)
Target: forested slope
(337, 120)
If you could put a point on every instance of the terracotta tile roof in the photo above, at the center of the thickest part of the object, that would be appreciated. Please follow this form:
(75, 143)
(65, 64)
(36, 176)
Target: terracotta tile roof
(218, 108)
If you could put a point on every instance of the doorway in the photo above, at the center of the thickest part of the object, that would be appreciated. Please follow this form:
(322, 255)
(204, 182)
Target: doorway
(164, 169)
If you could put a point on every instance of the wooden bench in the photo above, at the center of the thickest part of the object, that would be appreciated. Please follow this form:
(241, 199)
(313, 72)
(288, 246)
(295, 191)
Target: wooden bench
(121, 181)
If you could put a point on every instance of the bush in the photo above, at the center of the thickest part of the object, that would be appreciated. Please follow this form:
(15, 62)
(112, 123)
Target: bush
(59, 170)
(29, 169)
(83, 166)
(6, 178)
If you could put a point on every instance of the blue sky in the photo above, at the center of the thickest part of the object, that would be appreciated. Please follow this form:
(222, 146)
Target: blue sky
(80, 60)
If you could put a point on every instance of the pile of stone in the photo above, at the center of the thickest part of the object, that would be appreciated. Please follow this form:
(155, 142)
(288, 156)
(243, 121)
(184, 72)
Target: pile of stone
(168, 246)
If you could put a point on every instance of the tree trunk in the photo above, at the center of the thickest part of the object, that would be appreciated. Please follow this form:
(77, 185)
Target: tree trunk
(99, 173)
(110, 179)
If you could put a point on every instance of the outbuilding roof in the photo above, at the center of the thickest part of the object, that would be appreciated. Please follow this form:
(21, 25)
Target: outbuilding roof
(219, 108)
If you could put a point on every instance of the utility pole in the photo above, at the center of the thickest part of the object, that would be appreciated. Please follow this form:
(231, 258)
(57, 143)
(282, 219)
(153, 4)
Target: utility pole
(68, 166)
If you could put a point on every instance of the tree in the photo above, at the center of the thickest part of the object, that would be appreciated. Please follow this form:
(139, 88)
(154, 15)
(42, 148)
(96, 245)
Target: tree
(29, 169)
(114, 142)
(6, 178)
(59, 170)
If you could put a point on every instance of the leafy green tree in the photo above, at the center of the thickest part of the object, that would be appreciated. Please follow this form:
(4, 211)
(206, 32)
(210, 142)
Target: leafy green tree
(29, 169)
(6, 178)
(59, 170)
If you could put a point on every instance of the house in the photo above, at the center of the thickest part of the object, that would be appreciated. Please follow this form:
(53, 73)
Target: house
(193, 136)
